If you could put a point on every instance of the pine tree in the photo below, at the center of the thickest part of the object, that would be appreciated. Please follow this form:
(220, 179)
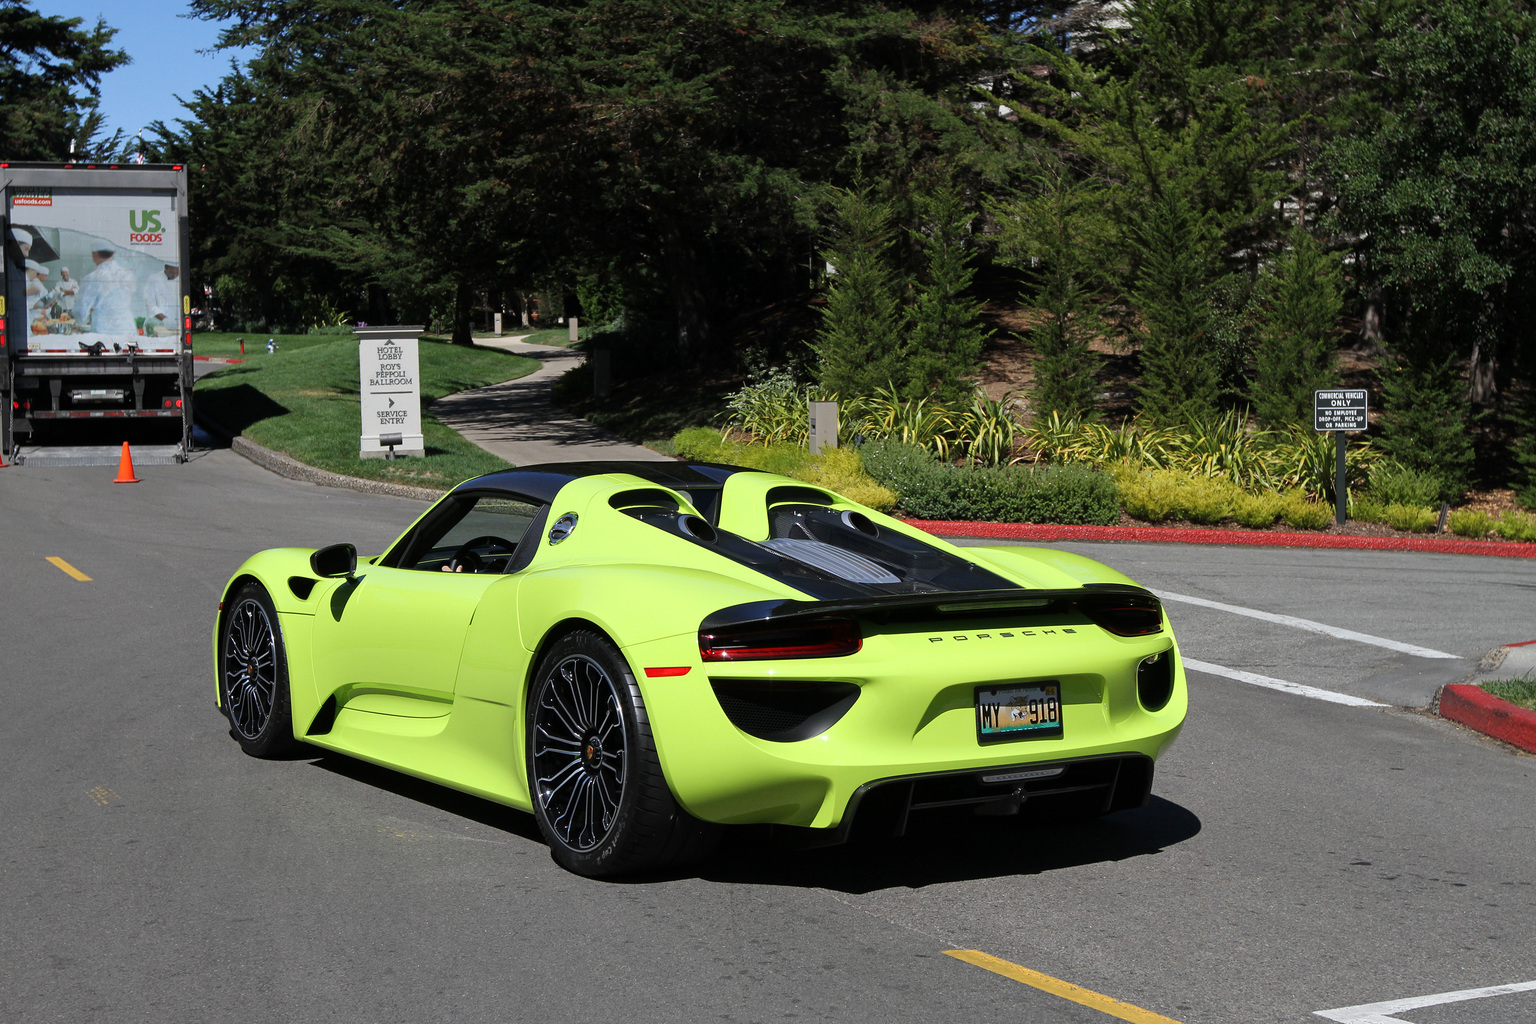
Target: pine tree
(1301, 300)
(1425, 422)
(1178, 261)
(1057, 249)
(1525, 447)
(944, 340)
(857, 341)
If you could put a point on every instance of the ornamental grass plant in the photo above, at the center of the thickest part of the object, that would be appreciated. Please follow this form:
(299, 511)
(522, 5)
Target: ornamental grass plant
(1220, 447)
(837, 469)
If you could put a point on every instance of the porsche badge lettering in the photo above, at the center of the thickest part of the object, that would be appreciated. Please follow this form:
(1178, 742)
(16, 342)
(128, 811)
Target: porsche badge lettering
(1003, 634)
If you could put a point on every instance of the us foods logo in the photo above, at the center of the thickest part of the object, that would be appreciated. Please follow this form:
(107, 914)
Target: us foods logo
(144, 227)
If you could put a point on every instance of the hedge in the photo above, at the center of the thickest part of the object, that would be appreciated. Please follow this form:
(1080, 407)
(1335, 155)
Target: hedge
(929, 489)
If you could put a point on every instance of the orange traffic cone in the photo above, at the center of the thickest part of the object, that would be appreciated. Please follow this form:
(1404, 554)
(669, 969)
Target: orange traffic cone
(125, 468)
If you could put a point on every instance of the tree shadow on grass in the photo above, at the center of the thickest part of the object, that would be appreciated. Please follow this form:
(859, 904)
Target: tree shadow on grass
(236, 409)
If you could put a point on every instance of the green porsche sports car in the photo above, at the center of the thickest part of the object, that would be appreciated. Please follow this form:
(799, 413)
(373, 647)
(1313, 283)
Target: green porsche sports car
(639, 653)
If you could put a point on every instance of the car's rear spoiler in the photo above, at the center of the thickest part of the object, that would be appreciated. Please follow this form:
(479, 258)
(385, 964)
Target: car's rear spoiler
(916, 607)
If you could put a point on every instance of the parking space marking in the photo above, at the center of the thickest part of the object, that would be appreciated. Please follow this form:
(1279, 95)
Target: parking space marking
(1381, 1013)
(1057, 987)
(1300, 689)
(1312, 627)
(68, 569)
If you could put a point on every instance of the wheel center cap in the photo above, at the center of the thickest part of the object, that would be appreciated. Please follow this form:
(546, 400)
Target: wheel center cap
(592, 752)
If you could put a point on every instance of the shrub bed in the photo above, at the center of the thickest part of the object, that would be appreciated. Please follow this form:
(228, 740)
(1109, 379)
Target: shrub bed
(838, 469)
(929, 489)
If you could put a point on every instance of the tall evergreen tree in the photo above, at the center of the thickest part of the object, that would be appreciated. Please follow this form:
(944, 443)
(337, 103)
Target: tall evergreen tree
(50, 82)
(1173, 294)
(1425, 419)
(1300, 302)
(1441, 192)
(943, 340)
(1055, 237)
(858, 340)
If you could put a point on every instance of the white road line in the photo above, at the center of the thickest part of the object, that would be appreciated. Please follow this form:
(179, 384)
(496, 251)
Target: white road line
(1381, 1013)
(1299, 689)
(1310, 626)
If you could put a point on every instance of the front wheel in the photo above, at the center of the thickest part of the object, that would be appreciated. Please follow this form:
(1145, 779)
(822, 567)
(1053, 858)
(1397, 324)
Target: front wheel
(253, 675)
(598, 791)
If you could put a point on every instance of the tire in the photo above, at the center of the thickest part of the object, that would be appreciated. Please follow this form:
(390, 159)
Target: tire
(253, 675)
(596, 783)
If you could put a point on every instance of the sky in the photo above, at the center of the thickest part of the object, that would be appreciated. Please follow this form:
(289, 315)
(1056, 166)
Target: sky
(163, 45)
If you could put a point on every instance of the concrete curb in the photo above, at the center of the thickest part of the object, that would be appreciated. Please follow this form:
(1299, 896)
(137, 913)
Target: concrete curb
(292, 469)
(282, 465)
(1478, 709)
(1173, 535)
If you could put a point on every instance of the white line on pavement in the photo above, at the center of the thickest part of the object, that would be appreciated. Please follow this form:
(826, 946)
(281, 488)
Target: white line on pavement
(1381, 1013)
(1299, 689)
(1310, 626)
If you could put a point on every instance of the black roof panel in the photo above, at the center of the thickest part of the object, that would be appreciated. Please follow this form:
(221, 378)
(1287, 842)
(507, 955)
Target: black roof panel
(543, 482)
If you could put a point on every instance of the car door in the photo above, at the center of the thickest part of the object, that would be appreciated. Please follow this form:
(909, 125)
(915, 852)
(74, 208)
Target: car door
(390, 638)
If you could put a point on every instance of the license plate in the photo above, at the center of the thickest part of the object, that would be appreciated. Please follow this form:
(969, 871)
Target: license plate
(1018, 712)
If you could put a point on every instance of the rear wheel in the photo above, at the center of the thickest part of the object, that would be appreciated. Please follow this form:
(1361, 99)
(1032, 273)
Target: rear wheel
(598, 791)
(253, 675)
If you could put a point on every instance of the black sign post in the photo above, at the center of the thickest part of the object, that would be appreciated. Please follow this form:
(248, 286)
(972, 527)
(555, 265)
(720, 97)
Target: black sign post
(1340, 410)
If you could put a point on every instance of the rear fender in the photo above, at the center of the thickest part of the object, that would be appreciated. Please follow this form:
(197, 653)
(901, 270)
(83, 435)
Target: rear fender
(1046, 567)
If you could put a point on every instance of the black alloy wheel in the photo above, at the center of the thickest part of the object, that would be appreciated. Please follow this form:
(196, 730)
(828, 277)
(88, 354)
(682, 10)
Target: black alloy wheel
(598, 791)
(253, 675)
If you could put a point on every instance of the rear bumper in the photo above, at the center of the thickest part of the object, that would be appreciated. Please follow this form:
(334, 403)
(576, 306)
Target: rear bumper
(911, 735)
(1086, 786)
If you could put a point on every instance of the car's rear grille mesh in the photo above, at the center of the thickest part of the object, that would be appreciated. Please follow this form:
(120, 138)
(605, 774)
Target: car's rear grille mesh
(1092, 786)
(783, 711)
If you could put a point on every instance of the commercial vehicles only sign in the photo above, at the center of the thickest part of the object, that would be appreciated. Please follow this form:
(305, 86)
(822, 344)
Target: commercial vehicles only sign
(389, 371)
(1339, 409)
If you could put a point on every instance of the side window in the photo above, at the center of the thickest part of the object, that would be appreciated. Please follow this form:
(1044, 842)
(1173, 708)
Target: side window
(477, 534)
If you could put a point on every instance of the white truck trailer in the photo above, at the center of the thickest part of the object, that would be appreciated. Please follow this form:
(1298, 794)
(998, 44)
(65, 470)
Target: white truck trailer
(95, 318)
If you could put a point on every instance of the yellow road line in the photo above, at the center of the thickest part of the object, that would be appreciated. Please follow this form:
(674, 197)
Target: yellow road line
(67, 568)
(1057, 987)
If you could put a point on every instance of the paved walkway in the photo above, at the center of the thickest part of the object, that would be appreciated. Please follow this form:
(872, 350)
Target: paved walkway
(517, 421)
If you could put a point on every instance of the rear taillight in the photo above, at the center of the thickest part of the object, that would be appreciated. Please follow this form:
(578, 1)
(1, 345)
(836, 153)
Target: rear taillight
(819, 638)
(1125, 616)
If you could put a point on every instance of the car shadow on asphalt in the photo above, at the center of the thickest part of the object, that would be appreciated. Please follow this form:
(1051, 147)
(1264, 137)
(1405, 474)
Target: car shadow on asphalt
(953, 848)
(451, 801)
(937, 848)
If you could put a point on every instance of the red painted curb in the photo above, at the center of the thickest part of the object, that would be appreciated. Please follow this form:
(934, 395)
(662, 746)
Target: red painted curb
(1478, 709)
(1172, 535)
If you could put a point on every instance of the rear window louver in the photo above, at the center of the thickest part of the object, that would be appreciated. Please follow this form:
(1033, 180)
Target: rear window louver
(843, 564)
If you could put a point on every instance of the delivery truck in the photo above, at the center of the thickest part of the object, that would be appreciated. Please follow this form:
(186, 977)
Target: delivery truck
(95, 319)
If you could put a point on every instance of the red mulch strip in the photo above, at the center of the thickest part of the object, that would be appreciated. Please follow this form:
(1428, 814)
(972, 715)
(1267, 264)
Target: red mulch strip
(1371, 541)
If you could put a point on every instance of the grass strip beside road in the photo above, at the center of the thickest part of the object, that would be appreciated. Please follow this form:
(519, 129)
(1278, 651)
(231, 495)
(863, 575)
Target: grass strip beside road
(304, 402)
(1520, 692)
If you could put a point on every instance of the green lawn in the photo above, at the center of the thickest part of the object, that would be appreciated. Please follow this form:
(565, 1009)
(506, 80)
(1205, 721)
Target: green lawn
(227, 346)
(303, 401)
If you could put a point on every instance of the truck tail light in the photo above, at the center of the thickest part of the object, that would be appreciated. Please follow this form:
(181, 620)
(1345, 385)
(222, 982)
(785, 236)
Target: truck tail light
(762, 641)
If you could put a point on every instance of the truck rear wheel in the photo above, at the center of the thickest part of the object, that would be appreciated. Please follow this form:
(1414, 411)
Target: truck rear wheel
(253, 675)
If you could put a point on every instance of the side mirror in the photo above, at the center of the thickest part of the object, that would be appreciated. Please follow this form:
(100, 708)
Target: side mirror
(334, 561)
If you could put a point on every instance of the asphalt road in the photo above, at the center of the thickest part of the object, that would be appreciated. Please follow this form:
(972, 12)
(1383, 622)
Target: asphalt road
(1299, 855)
